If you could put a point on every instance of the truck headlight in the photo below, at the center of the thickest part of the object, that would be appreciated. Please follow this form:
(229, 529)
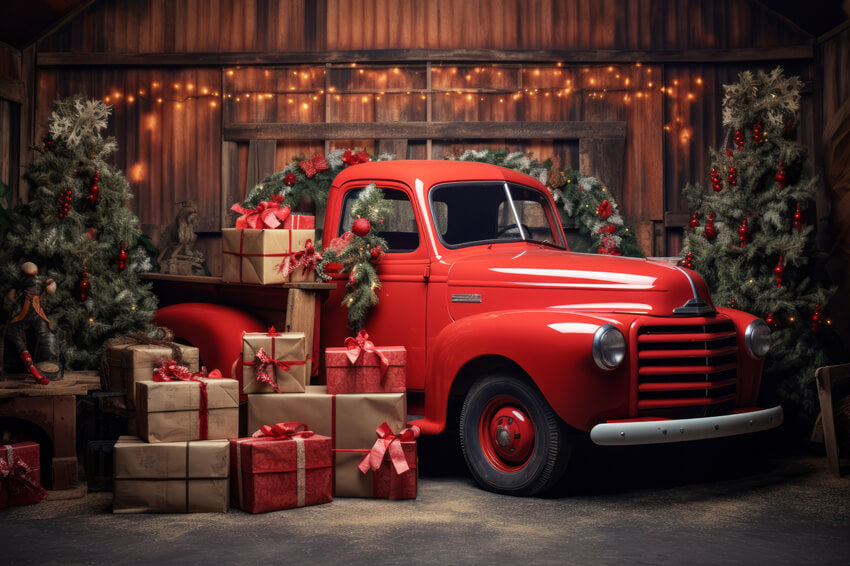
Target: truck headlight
(609, 347)
(757, 338)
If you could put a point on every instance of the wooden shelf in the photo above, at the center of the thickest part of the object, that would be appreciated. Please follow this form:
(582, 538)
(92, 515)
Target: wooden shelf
(73, 383)
(211, 280)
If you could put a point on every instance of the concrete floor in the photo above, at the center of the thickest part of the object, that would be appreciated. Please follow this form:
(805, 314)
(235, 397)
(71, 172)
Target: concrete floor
(717, 503)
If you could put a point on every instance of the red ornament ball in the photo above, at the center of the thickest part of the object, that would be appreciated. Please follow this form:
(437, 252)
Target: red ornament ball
(694, 220)
(709, 226)
(770, 320)
(361, 227)
(289, 179)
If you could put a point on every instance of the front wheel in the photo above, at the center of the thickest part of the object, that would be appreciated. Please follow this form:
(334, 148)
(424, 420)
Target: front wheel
(511, 439)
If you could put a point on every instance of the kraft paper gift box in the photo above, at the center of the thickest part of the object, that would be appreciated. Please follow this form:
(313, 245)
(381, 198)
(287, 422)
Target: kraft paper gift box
(350, 421)
(292, 372)
(129, 363)
(365, 375)
(171, 477)
(20, 474)
(274, 473)
(255, 256)
(171, 411)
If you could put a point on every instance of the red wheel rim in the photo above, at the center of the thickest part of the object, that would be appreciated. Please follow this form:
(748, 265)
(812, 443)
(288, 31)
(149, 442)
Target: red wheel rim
(506, 434)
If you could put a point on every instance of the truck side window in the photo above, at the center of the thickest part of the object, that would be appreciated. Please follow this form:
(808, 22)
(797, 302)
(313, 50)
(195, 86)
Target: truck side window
(400, 230)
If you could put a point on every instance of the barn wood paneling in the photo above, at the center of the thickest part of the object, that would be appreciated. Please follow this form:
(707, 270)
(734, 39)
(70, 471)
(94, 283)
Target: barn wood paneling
(195, 26)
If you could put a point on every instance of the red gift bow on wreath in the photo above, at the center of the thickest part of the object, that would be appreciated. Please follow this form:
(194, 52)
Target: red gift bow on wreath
(389, 443)
(264, 362)
(283, 431)
(314, 165)
(354, 158)
(357, 345)
(306, 259)
(169, 370)
(267, 215)
(18, 477)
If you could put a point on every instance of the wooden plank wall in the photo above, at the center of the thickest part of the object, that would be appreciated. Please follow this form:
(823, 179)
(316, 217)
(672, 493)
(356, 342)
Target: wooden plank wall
(213, 26)
(172, 155)
(835, 57)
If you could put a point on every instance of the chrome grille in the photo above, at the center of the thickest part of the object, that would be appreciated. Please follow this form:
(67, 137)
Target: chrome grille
(687, 370)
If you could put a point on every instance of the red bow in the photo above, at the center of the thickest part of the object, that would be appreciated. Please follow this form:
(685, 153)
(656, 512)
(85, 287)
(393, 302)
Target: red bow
(264, 362)
(357, 345)
(283, 431)
(306, 259)
(172, 371)
(314, 165)
(353, 159)
(339, 243)
(18, 477)
(267, 215)
(389, 442)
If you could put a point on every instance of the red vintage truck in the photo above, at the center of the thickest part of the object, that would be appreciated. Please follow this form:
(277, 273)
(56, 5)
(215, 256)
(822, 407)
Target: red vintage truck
(521, 343)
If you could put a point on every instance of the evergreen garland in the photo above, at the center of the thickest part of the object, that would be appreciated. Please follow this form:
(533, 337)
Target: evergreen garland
(749, 239)
(76, 222)
(357, 252)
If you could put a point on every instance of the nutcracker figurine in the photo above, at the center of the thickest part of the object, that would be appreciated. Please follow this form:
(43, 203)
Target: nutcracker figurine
(31, 321)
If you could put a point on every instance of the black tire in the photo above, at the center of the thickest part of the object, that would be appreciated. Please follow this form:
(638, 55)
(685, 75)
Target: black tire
(549, 456)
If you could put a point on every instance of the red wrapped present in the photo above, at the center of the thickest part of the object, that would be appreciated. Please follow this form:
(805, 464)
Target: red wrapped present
(267, 215)
(393, 461)
(20, 474)
(361, 367)
(280, 467)
(299, 222)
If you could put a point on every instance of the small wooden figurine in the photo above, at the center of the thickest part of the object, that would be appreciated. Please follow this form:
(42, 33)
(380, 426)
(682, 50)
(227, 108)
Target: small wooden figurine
(32, 321)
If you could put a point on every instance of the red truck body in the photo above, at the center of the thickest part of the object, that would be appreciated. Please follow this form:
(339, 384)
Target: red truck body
(497, 315)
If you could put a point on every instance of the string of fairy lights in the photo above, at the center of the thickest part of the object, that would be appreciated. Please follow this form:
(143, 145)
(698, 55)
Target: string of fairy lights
(311, 88)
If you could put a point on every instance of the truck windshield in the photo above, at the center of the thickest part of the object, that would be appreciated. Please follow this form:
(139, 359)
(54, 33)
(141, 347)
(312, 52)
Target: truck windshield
(493, 212)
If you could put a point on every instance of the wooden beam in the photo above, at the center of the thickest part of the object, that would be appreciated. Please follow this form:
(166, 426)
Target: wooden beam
(70, 59)
(69, 15)
(425, 130)
(12, 89)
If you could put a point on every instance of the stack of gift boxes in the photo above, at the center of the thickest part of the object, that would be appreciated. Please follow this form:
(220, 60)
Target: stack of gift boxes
(308, 443)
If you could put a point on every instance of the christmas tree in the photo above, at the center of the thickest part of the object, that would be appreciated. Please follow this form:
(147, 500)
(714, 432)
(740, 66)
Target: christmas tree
(749, 238)
(77, 230)
(357, 251)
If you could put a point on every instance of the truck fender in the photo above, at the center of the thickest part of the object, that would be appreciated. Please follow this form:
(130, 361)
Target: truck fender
(553, 348)
(214, 329)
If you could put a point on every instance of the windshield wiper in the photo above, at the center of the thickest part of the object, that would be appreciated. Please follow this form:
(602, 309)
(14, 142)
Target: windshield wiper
(546, 243)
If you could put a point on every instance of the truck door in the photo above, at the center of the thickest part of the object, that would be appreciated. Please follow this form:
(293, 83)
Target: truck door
(399, 317)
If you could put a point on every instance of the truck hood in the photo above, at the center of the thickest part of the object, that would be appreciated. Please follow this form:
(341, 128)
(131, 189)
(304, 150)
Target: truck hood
(484, 279)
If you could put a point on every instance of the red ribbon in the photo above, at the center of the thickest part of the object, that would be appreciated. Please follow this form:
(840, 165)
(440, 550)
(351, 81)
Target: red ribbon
(17, 477)
(357, 345)
(264, 362)
(172, 371)
(266, 215)
(389, 443)
(306, 259)
(314, 165)
(283, 431)
(354, 158)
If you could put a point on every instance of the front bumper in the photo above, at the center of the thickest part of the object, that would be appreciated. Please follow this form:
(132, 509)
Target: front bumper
(680, 430)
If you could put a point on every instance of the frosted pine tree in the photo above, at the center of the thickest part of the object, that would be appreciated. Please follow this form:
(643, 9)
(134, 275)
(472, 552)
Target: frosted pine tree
(749, 237)
(77, 229)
